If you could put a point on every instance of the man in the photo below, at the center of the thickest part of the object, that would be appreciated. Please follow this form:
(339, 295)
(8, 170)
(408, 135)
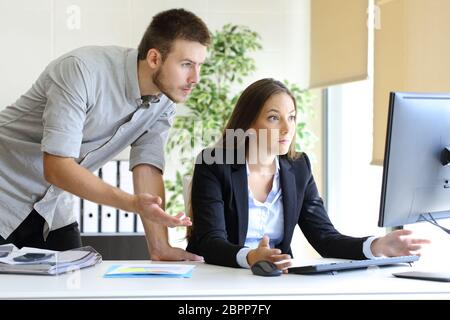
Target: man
(85, 108)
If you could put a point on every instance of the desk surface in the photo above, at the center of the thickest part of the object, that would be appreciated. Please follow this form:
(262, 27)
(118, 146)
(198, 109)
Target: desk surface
(214, 282)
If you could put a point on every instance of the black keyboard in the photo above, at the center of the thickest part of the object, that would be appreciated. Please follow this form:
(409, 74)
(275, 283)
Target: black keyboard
(352, 264)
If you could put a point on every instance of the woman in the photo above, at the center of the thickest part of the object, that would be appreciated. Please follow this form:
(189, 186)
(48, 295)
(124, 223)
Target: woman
(248, 196)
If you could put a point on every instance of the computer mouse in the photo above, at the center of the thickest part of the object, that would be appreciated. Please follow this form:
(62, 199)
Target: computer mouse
(265, 268)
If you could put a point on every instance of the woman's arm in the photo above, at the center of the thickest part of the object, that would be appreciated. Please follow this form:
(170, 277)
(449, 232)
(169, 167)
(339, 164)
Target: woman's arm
(209, 233)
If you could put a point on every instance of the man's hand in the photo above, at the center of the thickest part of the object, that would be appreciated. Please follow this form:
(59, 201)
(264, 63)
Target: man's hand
(149, 208)
(174, 254)
(397, 243)
(264, 252)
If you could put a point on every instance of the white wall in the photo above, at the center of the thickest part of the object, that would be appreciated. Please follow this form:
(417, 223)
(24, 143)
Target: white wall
(33, 32)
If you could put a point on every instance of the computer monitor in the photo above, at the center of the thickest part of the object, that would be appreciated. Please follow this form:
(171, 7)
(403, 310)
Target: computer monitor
(416, 173)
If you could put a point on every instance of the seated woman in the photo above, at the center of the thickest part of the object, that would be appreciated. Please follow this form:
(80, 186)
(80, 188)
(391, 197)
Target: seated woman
(247, 196)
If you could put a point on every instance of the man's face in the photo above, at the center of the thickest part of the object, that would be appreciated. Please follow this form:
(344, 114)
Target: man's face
(179, 73)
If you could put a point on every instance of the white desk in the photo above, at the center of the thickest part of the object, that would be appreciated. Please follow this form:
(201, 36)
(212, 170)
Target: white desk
(213, 282)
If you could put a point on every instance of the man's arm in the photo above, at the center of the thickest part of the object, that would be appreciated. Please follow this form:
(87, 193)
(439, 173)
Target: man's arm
(148, 179)
(68, 175)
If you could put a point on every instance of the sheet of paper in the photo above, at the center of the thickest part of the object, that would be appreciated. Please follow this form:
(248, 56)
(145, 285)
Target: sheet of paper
(149, 270)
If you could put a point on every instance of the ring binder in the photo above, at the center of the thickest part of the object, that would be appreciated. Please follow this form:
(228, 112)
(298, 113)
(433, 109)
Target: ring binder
(126, 219)
(109, 214)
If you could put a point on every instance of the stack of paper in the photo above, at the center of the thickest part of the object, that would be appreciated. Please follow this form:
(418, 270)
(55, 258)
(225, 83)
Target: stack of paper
(47, 262)
(150, 270)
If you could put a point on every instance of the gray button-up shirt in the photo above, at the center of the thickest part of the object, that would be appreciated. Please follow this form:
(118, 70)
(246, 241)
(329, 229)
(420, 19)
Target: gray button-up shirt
(85, 105)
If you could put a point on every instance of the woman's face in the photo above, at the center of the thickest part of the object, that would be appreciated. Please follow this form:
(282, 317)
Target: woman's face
(275, 125)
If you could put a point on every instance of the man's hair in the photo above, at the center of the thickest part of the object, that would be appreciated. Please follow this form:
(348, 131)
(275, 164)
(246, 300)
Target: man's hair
(170, 25)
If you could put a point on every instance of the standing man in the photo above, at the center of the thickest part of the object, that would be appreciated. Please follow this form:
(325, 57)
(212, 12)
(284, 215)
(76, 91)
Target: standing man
(86, 107)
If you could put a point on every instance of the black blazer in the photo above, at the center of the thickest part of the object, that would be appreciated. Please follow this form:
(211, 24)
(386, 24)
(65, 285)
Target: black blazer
(220, 212)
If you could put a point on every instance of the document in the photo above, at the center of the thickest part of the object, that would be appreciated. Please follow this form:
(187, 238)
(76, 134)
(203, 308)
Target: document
(47, 262)
(152, 270)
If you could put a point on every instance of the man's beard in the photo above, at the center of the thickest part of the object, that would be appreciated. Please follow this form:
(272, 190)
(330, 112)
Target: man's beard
(156, 78)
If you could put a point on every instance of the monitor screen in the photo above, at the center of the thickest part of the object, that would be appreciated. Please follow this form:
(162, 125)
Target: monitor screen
(416, 176)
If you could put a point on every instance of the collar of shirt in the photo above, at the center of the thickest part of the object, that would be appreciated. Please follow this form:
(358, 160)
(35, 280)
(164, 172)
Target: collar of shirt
(147, 100)
(131, 70)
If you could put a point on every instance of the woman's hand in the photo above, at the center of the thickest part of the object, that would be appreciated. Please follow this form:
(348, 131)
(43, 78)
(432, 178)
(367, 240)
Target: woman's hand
(264, 252)
(397, 243)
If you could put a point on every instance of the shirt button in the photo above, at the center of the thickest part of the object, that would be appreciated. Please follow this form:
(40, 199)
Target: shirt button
(50, 190)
